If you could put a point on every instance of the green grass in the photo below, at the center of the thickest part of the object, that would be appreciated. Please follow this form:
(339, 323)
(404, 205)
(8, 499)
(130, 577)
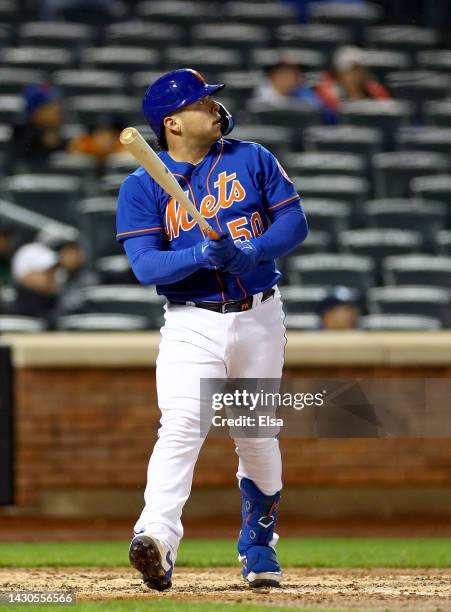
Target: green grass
(295, 552)
(160, 606)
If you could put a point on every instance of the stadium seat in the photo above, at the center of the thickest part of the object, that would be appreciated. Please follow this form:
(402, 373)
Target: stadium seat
(305, 321)
(394, 171)
(409, 269)
(295, 115)
(319, 241)
(27, 224)
(240, 36)
(382, 61)
(435, 139)
(353, 15)
(301, 300)
(443, 242)
(436, 188)
(6, 133)
(437, 112)
(89, 82)
(14, 80)
(115, 270)
(380, 243)
(348, 138)
(399, 322)
(406, 38)
(276, 138)
(8, 294)
(46, 59)
(10, 12)
(55, 34)
(308, 59)
(110, 184)
(92, 13)
(240, 84)
(418, 86)
(331, 216)
(317, 36)
(270, 14)
(126, 59)
(325, 163)
(351, 189)
(387, 115)
(205, 59)
(185, 13)
(125, 299)
(12, 324)
(439, 60)
(48, 194)
(11, 108)
(414, 300)
(71, 130)
(6, 35)
(330, 269)
(121, 162)
(425, 217)
(94, 322)
(97, 223)
(73, 164)
(138, 33)
(85, 109)
(140, 81)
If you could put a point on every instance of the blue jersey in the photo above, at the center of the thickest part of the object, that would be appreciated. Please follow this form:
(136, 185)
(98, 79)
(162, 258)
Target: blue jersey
(239, 187)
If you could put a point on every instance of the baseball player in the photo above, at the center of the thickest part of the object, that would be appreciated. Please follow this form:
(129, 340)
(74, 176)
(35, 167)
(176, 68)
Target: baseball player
(223, 316)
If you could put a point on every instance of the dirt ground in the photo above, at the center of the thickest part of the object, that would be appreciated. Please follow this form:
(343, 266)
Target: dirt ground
(405, 590)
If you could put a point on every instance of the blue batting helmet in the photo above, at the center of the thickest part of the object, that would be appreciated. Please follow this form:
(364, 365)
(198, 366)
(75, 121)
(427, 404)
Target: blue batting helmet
(173, 91)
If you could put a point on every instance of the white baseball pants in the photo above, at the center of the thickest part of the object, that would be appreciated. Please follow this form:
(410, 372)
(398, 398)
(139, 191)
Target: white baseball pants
(198, 343)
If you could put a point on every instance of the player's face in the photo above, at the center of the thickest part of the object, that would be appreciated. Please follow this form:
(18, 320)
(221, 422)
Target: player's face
(200, 120)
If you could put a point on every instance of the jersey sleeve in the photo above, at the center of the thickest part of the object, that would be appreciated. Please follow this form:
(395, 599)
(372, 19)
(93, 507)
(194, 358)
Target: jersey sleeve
(277, 188)
(137, 212)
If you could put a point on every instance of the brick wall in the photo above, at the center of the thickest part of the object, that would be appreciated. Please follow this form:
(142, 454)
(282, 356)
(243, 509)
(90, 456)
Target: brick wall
(94, 428)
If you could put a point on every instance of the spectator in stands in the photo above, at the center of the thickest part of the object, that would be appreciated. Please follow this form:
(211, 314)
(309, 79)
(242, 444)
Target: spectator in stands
(339, 310)
(39, 134)
(34, 274)
(75, 275)
(6, 249)
(101, 139)
(284, 81)
(303, 6)
(349, 80)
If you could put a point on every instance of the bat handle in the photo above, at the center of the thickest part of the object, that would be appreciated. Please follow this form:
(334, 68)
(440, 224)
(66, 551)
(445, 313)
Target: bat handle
(213, 234)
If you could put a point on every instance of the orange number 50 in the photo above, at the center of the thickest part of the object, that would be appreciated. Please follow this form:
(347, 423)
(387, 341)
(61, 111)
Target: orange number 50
(238, 227)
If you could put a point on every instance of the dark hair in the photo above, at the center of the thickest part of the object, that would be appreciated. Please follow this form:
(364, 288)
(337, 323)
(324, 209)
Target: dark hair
(162, 142)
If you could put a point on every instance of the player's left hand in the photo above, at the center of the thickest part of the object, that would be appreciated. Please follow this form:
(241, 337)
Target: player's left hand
(243, 261)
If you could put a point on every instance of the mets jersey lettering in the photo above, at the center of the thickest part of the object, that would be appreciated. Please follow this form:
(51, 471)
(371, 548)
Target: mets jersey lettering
(177, 218)
(238, 187)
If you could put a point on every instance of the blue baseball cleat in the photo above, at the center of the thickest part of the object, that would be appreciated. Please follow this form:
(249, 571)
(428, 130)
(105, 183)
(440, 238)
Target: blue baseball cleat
(257, 538)
(154, 560)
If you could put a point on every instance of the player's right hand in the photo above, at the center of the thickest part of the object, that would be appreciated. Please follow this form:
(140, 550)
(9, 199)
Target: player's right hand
(214, 253)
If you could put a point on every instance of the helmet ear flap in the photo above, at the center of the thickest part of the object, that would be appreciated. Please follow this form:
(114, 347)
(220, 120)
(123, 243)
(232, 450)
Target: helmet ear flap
(227, 122)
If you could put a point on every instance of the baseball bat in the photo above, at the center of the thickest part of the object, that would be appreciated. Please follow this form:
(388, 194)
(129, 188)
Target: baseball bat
(132, 140)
